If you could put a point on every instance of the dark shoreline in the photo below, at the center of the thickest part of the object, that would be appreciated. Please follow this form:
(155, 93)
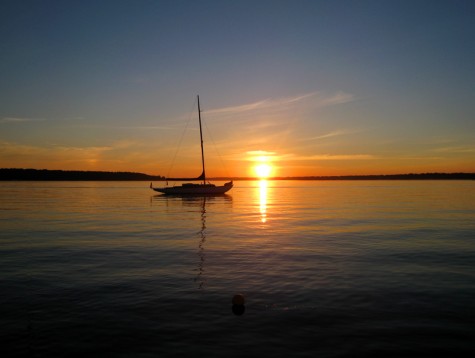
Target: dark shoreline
(410, 176)
(13, 174)
(72, 175)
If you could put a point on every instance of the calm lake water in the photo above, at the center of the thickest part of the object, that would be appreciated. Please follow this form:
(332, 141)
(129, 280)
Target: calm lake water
(328, 269)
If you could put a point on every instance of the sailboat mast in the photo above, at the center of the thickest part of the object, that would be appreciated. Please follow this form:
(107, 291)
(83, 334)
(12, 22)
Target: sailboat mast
(201, 138)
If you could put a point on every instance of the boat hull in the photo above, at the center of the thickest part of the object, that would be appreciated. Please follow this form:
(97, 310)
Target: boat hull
(195, 189)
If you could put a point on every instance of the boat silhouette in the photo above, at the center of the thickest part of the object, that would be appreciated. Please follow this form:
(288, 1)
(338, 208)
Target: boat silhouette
(203, 188)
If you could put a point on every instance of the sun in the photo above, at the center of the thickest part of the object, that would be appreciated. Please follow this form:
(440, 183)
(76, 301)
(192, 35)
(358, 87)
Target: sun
(263, 170)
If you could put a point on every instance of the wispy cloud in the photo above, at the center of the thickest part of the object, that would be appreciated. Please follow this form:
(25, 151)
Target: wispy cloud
(16, 149)
(335, 157)
(326, 100)
(117, 155)
(260, 152)
(318, 99)
(242, 108)
(455, 149)
(256, 156)
(8, 149)
(331, 134)
(259, 155)
(335, 133)
(126, 127)
(19, 120)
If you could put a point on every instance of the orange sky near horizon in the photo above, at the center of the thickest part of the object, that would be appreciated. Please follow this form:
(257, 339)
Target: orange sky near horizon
(262, 135)
(280, 163)
(287, 152)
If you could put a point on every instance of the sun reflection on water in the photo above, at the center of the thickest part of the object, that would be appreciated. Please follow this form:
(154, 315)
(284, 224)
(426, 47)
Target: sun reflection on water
(263, 200)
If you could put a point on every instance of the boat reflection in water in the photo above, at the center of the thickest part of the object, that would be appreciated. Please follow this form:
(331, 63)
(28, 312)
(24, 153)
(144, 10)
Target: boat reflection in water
(201, 246)
(190, 207)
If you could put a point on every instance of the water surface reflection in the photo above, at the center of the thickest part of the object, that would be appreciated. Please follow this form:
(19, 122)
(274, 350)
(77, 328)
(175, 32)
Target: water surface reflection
(192, 213)
(201, 246)
(263, 200)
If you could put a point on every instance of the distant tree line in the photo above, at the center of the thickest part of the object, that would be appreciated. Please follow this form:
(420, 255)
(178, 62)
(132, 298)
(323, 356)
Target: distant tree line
(410, 176)
(44, 174)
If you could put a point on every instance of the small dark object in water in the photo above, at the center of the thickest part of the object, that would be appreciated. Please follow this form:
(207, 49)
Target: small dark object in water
(238, 305)
(238, 310)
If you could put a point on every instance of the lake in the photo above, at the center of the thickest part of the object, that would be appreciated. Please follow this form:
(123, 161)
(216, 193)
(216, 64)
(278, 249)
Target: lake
(327, 269)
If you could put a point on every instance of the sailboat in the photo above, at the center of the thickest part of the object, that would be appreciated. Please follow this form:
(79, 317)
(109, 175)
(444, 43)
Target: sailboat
(204, 188)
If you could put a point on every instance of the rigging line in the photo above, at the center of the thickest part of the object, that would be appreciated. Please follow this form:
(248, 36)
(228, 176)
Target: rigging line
(216, 149)
(181, 139)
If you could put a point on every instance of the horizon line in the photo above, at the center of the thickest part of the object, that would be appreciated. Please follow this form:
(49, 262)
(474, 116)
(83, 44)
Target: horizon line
(425, 175)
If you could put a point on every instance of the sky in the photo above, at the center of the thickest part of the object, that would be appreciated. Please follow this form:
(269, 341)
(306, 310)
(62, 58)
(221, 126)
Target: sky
(306, 87)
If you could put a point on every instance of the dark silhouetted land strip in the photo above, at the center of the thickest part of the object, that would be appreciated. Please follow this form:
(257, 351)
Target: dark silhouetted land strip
(43, 174)
(411, 176)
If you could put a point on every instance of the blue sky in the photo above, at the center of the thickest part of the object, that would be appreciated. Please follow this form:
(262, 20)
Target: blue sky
(313, 87)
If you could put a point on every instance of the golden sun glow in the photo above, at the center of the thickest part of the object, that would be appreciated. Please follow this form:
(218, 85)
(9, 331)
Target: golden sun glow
(263, 170)
(263, 164)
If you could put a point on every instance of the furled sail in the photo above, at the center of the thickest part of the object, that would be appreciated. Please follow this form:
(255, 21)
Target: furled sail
(201, 177)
